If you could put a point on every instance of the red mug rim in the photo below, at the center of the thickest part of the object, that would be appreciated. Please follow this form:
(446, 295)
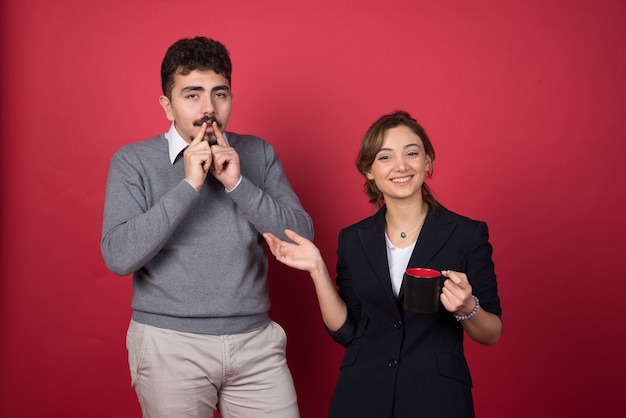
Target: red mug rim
(422, 273)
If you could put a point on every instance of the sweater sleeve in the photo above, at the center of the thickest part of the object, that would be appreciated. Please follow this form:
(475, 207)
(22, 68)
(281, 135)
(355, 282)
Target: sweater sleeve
(135, 229)
(270, 203)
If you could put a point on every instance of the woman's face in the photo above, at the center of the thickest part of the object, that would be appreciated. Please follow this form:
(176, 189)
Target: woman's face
(400, 165)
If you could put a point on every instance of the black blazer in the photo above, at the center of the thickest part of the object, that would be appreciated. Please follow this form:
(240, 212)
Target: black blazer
(398, 363)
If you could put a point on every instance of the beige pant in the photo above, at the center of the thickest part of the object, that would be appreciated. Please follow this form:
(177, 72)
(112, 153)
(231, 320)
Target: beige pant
(180, 374)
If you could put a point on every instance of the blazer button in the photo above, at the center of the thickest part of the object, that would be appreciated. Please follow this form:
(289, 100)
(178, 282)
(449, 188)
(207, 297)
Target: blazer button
(397, 324)
(393, 363)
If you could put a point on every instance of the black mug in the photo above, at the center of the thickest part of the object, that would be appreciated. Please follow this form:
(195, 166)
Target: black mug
(422, 289)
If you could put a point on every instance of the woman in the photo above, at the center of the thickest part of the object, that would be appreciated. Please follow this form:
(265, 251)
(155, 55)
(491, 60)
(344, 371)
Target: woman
(399, 363)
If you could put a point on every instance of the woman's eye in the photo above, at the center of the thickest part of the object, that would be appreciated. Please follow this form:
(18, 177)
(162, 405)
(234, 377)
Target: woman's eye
(383, 157)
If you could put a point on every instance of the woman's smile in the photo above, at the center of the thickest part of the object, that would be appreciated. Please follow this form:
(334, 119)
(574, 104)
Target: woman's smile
(402, 180)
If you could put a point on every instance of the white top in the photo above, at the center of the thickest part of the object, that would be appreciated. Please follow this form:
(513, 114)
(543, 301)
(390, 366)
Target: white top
(398, 259)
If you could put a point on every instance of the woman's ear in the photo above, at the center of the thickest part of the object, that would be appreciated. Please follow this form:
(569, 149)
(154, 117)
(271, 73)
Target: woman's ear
(429, 166)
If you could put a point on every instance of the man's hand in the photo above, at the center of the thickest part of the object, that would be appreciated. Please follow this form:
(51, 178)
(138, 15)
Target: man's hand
(198, 158)
(225, 166)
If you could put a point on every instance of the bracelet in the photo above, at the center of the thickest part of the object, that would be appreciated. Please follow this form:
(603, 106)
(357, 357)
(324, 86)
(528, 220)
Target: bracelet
(471, 314)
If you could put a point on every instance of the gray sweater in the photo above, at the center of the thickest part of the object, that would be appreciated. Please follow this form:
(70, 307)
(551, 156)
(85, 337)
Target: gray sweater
(197, 259)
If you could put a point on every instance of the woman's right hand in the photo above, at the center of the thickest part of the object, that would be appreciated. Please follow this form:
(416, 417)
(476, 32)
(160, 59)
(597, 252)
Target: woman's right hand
(303, 255)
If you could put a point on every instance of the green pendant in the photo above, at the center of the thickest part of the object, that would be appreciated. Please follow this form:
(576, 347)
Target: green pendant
(402, 234)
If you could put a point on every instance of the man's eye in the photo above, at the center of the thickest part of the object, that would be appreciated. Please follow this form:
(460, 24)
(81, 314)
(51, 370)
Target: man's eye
(220, 95)
(191, 96)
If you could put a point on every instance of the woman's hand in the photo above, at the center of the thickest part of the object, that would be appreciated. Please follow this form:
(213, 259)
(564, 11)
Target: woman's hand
(456, 295)
(303, 255)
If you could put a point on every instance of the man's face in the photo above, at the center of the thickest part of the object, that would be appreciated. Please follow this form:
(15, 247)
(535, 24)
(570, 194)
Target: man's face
(197, 97)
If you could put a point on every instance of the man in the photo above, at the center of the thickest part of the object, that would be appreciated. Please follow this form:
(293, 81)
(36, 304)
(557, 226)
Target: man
(184, 213)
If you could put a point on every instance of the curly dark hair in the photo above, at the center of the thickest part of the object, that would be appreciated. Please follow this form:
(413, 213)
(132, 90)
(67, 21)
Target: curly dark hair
(199, 53)
(372, 143)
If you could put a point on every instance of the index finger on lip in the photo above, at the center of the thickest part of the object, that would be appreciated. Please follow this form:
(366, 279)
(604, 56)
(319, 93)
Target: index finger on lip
(200, 135)
(218, 134)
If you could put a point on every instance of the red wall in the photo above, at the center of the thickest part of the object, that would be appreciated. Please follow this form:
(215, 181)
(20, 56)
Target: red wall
(524, 102)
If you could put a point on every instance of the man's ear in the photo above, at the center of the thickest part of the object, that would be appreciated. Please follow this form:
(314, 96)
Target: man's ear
(167, 107)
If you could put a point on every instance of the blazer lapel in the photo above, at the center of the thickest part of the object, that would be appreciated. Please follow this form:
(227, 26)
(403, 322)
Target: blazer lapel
(372, 239)
(435, 232)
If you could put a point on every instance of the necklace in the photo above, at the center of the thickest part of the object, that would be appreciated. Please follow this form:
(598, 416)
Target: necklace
(403, 234)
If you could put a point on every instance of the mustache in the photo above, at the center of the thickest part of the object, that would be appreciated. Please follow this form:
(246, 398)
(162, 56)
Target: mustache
(209, 119)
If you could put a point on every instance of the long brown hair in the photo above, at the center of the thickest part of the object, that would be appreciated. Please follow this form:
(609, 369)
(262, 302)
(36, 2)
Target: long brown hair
(372, 143)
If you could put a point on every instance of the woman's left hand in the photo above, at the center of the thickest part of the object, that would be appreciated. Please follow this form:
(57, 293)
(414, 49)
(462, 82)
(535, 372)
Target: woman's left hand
(456, 295)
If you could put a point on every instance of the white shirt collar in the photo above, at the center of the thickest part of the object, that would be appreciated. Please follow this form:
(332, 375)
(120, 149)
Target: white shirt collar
(176, 143)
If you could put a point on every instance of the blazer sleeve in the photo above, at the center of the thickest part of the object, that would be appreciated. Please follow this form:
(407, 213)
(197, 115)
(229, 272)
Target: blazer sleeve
(481, 271)
(345, 334)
